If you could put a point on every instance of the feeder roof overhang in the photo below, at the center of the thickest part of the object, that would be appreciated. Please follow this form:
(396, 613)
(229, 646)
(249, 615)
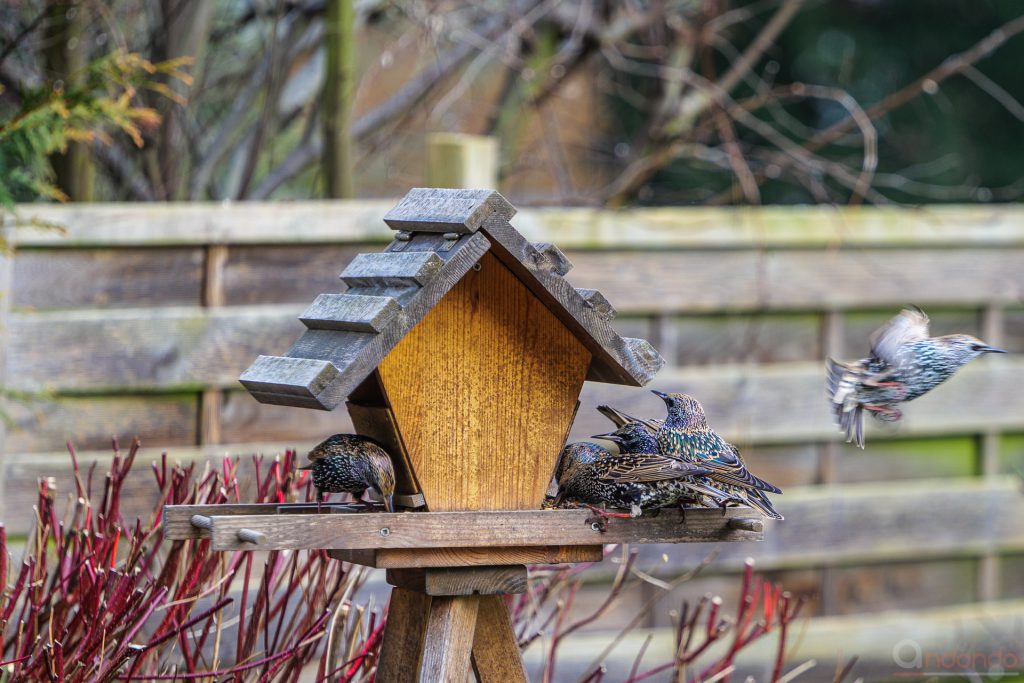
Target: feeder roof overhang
(441, 235)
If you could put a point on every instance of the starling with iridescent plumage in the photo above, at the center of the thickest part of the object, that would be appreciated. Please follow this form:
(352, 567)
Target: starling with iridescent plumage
(349, 463)
(905, 363)
(685, 434)
(636, 437)
(591, 474)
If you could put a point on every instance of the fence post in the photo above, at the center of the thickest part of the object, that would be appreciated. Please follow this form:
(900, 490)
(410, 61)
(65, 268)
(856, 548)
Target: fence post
(6, 291)
(456, 160)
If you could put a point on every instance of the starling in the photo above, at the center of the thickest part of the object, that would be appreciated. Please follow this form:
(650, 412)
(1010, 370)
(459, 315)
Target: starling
(904, 363)
(590, 474)
(637, 437)
(349, 463)
(685, 434)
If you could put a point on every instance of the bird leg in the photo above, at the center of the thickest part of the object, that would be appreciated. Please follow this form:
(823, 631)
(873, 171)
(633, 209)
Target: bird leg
(892, 385)
(883, 412)
(601, 516)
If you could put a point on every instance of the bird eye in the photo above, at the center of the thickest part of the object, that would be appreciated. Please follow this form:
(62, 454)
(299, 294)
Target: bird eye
(975, 347)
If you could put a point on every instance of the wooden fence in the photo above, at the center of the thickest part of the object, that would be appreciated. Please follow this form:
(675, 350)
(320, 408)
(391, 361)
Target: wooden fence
(138, 319)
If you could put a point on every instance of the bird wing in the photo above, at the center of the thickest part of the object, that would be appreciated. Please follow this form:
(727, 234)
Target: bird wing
(909, 325)
(645, 468)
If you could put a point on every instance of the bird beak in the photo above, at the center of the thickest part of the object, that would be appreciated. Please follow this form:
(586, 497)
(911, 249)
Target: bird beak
(992, 349)
(306, 468)
(660, 394)
(611, 436)
(389, 504)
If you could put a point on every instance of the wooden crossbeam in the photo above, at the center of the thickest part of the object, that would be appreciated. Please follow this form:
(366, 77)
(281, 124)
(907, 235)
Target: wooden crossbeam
(488, 529)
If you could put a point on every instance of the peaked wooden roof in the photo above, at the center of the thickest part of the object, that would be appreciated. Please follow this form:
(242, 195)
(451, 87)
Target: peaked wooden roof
(440, 235)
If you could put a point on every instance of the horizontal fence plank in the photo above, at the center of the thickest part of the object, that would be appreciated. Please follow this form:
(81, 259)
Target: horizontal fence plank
(140, 497)
(980, 633)
(683, 227)
(785, 402)
(169, 348)
(858, 524)
(47, 423)
(261, 274)
(663, 282)
(199, 223)
(486, 528)
(174, 349)
(75, 278)
(666, 281)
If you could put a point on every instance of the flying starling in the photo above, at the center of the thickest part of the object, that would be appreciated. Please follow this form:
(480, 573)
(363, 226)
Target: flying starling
(685, 434)
(904, 363)
(349, 463)
(590, 474)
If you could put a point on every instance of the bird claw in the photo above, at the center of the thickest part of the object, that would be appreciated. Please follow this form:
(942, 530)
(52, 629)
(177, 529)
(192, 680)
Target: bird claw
(884, 413)
(600, 517)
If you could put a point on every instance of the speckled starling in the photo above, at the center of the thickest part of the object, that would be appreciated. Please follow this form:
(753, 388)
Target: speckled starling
(685, 434)
(904, 364)
(590, 474)
(349, 463)
(635, 436)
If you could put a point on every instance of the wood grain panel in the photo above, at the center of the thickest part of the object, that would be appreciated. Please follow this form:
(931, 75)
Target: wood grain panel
(162, 224)
(440, 581)
(90, 423)
(246, 420)
(125, 224)
(870, 523)
(496, 656)
(487, 379)
(722, 281)
(760, 405)
(165, 348)
(6, 252)
(402, 644)
(263, 274)
(390, 558)
(473, 529)
(785, 403)
(70, 278)
(449, 639)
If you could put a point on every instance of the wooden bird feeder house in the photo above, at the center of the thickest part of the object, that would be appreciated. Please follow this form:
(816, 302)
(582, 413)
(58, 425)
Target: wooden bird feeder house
(462, 349)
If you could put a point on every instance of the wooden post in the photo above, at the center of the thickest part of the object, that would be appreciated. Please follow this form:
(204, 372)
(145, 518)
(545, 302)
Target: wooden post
(457, 160)
(442, 621)
(829, 453)
(213, 295)
(66, 36)
(338, 94)
(990, 443)
(6, 291)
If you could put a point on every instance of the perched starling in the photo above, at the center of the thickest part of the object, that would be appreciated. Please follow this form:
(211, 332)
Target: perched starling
(349, 463)
(637, 437)
(685, 434)
(904, 363)
(590, 474)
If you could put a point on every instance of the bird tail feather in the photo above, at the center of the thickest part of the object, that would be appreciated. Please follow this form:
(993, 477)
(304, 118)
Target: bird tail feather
(760, 501)
(842, 392)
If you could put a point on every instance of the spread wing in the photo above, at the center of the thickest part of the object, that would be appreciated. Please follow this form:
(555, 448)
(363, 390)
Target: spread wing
(909, 325)
(645, 468)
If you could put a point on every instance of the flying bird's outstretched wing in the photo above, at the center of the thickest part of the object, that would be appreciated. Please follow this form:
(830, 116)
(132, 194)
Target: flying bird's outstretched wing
(909, 325)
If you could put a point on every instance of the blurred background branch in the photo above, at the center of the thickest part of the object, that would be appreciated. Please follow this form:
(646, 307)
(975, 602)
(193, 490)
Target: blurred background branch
(595, 102)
